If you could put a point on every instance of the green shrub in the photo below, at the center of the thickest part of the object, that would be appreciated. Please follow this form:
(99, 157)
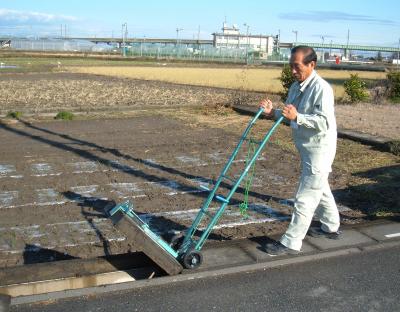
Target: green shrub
(15, 115)
(394, 86)
(286, 79)
(356, 89)
(64, 115)
(394, 147)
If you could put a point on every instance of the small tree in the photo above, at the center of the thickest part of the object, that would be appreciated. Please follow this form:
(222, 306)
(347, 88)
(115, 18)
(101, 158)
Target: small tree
(286, 79)
(356, 89)
(394, 86)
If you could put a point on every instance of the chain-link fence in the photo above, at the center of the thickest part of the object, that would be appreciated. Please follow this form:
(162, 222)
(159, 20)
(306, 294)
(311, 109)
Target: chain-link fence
(206, 53)
(203, 53)
(60, 45)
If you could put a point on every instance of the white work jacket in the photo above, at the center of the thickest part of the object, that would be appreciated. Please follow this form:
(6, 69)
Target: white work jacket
(314, 130)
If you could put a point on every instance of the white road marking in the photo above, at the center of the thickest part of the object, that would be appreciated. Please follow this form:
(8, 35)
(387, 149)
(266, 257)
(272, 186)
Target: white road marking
(33, 238)
(6, 170)
(7, 198)
(87, 167)
(57, 235)
(392, 235)
(83, 167)
(49, 197)
(43, 169)
(191, 160)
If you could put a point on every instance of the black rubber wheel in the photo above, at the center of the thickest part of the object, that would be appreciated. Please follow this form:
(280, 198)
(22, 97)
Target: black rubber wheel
(192, 259)
(177, 240)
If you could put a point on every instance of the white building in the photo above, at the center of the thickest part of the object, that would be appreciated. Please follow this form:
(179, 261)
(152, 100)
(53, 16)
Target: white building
(232, 38)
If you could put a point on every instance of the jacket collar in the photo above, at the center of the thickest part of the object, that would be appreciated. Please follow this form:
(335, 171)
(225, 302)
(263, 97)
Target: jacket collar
(305, 83)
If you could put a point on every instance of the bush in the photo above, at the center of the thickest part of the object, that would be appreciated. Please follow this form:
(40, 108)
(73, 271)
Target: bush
(15, 115)
(394, 86)
(286, 79)
(64, 115)
(394, 147)
(356, 89)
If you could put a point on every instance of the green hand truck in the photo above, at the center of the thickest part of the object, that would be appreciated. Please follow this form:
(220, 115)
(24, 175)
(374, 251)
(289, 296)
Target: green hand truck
(185, 249)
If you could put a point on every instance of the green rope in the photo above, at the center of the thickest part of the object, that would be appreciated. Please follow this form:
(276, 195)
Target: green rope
(249, 179)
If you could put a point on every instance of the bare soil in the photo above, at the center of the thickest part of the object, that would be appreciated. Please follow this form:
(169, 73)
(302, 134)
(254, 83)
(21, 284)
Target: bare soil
(379, 120)
(52, 92)
(56, 177)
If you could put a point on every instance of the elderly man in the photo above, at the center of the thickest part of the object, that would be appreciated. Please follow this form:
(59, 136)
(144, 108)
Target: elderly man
(309, 107)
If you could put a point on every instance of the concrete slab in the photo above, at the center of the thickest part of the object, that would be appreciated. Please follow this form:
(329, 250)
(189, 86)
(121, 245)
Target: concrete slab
(349, 238)
(224, 256)
(383, 232)
(245, 252)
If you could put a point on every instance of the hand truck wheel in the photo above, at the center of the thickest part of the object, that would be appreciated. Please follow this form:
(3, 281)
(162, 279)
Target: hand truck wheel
(177, 240)
(192, 259)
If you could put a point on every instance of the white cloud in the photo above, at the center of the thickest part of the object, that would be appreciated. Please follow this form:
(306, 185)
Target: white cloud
(331, 16)
(14, 17)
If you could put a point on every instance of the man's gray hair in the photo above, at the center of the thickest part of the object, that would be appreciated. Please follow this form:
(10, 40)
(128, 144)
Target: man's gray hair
(309, 53)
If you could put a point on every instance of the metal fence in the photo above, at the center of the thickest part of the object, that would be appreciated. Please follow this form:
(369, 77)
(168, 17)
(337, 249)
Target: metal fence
(200, 53)
(144, 49)
(60, 45)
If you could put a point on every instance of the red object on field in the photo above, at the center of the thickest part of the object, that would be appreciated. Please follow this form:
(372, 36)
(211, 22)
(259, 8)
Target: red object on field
(337, 60)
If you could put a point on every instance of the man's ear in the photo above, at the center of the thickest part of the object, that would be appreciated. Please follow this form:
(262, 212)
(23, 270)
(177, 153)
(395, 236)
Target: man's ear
(313, 64)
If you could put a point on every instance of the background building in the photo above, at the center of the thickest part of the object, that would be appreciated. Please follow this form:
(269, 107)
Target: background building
(231, 38)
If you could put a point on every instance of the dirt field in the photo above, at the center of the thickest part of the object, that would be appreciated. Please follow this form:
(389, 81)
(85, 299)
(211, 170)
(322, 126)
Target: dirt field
(52, 92)
(56, 177)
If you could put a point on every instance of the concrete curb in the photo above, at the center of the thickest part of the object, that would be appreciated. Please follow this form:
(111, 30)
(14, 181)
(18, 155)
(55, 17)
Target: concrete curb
(167, 280)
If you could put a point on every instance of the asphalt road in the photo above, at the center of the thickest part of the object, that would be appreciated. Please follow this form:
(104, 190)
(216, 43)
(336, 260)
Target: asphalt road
(367, 281)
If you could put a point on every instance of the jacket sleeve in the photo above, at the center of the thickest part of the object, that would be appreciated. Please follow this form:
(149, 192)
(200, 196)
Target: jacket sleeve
(277, 114)
(318, 118)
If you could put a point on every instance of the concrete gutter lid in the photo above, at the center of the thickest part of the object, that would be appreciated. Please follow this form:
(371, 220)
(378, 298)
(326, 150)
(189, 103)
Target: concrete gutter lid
(342, 133)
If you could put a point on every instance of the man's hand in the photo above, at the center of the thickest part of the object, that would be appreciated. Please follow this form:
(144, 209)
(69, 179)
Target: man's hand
(266, 104)
(289, 112)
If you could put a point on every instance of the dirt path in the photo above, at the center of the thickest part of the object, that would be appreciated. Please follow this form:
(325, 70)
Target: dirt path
(380, 120)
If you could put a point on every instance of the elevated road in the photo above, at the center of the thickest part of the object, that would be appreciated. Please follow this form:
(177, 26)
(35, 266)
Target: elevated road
(287, 45)
(284, 45)
(348, 47)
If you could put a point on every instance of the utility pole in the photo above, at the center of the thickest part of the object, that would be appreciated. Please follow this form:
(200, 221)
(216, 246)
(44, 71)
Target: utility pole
(279, 41)
(177, 40)
(247, 42)
(398, 55)
(123, 33)
(347, 54)
(322, 50)
(177, 35)
(65, 31)
(295, 32)
(198, 38)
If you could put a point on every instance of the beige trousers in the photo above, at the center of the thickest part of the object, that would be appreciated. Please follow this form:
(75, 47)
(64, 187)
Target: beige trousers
(313, 196)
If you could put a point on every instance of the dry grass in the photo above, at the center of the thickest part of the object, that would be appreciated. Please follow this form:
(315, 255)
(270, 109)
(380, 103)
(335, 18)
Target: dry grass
(39, 93)
(251, 79)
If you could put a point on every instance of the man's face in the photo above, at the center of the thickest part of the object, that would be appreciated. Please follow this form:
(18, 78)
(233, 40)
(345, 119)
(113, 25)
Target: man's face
(300, 71)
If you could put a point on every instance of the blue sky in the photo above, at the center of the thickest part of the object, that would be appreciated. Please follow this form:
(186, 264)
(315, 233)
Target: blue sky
(370, 22)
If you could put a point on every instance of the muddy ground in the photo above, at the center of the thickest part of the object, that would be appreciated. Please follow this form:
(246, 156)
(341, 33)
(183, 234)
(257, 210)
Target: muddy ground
(56, 177)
